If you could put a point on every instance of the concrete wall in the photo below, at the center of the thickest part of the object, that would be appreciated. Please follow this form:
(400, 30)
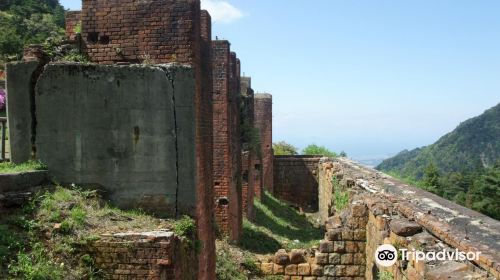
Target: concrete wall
(128, 129)
(20, 94)
(296, 180)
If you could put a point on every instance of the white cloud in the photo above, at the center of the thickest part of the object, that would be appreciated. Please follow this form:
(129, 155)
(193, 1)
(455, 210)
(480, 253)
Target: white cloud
(221, 11)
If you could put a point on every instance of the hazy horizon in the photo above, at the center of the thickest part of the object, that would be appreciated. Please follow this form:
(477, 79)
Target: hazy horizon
(369, 78)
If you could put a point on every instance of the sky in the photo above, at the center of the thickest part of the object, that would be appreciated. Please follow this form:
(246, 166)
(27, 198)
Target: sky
(367, 77)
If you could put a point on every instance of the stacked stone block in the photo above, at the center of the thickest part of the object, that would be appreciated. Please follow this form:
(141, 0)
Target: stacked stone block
(149, 255)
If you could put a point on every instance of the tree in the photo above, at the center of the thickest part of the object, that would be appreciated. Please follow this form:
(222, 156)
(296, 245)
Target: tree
(24, 22)
(431, 178)
(314, 149)
(484, 195)
(343, 154)
(283, 148)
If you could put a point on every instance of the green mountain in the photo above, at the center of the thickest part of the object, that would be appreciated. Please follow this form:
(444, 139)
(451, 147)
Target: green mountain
(463, 165)
(474, 144)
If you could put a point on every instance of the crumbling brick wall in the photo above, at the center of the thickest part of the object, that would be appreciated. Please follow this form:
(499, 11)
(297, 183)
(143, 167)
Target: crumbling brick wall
(149, 255)
(263, 117)
(159, 31)
(296, 180)
(204, 145)
(227, 195)
(73, 19)
(250, 176)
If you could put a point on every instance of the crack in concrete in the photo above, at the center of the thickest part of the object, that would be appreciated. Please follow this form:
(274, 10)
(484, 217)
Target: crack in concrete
(172, 83)
(35, 76)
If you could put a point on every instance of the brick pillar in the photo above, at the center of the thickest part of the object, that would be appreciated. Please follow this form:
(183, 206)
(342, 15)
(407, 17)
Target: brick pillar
(224, 171)
(205, 206)
(249, 173)
(235, 209)
(73, 18)
(263, 107)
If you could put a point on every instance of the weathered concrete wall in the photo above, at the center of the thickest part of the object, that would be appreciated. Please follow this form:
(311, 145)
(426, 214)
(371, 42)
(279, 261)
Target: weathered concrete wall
(20, 94)
(19, 182)
(128, 129)
(263, 115)
(296, 180)
(149, 255)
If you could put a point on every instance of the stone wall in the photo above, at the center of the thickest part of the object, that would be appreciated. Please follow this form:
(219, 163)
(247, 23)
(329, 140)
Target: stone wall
(157, 255)
(296, 180)
(263, 108)
(381, 210)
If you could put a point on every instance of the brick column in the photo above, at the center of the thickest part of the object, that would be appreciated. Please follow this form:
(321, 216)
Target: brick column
(263, 106)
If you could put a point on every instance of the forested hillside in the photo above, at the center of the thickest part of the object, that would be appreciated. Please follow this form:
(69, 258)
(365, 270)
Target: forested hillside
(24, 22)
(463, 166)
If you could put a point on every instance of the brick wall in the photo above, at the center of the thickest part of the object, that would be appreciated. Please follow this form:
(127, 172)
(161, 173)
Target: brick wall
(250, 176)
(227, 195)
(161, 31)
(236, 209)
(296, 180)
(73, 18)
(204, 146)
(263, 115)
(150, 255)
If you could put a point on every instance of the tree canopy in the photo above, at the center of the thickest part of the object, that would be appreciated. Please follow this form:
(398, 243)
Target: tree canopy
(283, 148)
(24, 22)
(314, 149)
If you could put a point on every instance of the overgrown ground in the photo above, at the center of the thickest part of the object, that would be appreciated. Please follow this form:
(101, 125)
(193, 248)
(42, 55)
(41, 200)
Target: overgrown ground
(276, 225)
(43, 240)
(8, 167)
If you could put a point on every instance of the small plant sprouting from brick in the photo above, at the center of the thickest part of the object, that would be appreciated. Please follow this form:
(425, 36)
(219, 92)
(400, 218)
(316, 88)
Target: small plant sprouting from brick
(78, 28)
(340, 195)
(185, 227)
(385, 275)
(147, 59)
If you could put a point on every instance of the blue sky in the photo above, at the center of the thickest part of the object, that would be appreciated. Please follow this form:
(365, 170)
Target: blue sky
(368, 77)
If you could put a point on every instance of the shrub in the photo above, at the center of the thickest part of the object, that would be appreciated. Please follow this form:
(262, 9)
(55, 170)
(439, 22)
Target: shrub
(185, 227)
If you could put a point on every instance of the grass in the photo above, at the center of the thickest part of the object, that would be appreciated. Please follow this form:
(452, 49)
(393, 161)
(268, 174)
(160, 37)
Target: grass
(276, 226)
(9, 167)
(44, 240)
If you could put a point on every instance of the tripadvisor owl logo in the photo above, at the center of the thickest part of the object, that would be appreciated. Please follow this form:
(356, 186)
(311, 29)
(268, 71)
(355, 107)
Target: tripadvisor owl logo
(386, 255)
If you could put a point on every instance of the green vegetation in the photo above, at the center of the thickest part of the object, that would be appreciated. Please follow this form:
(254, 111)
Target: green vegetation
(314, 149)
(276, 226)
(385, 275)
(283, 148)
(24, 22)
(463, 166)
(43, 240)
(250, 137)
(8, 167)
(340, 195)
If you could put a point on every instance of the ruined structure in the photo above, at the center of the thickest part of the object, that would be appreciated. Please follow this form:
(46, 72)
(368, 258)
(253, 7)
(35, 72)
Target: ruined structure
(382, 210)
(263, 119)
(250, 157)
(296, 180)
(226, 155)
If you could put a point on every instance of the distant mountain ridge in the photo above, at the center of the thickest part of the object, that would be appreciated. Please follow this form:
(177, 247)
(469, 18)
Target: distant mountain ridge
(473, 145)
